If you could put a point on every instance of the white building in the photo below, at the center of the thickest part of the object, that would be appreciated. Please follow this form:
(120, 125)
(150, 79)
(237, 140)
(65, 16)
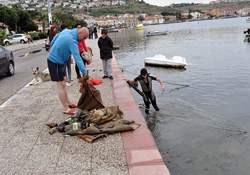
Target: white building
(244, 11)
(195, 15)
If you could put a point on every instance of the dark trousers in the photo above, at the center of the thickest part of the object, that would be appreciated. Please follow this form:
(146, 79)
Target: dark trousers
(77, 72)
(96, 36)
(150, 98)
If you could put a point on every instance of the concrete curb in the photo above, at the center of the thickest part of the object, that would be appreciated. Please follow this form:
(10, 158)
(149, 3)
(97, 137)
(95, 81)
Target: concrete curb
(142, 154)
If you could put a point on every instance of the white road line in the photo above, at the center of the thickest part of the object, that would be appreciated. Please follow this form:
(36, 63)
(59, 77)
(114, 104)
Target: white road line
(7, 102)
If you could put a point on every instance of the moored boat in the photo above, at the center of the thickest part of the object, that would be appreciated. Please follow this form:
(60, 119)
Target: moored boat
(156, 33)
(139, 27)
(161, 60)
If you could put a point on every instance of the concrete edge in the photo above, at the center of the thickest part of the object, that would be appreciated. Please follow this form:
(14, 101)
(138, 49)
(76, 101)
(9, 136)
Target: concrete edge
(142, 154)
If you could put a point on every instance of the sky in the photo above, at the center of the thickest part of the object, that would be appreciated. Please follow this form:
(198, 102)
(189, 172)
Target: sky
(168, 2)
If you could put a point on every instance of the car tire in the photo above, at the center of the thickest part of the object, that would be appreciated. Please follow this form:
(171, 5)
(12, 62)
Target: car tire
(11, 69)
(7, 43)
(22, 41)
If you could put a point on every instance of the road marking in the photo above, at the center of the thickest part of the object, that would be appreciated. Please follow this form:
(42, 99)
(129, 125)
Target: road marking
(12, 98)
(31, 52)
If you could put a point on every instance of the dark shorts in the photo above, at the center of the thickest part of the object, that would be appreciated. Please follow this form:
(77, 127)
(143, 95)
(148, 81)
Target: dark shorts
(57, 71)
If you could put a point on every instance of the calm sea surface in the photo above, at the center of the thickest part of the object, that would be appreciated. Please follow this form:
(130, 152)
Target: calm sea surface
(203, 128)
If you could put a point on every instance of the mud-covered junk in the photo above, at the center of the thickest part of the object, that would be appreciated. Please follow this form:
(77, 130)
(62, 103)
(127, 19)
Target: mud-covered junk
(95, 124)
(90, 97)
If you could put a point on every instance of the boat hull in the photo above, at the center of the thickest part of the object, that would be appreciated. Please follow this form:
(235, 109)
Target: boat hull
(247, 38)
(156, 34)
(164, 64)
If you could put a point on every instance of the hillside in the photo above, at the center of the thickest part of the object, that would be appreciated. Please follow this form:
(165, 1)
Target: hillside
(156, 10)
(129, 8)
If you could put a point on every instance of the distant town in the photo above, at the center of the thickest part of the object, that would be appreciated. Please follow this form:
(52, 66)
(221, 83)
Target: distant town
(91, 10)
(108, 13)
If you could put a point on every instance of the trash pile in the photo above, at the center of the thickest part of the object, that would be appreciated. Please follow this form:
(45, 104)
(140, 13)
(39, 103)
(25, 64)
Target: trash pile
(95, 124)
(93, 120)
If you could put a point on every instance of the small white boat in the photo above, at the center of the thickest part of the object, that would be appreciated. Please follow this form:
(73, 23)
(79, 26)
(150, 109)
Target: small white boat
(161, 60)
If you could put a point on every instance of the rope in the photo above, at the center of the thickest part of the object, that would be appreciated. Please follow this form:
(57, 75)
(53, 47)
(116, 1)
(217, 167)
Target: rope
(170, 83)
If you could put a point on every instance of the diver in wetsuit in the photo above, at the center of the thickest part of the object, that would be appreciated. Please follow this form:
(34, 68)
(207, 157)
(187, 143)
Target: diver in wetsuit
(145, 80)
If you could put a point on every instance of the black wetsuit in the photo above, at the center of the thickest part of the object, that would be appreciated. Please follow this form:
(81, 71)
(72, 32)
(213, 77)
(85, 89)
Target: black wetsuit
(146, 87)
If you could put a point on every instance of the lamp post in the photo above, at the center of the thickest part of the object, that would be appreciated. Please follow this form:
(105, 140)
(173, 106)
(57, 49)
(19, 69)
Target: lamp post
(49, 13)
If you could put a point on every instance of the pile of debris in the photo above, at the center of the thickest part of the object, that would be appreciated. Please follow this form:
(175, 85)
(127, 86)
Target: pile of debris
(93, 120)
(95, 124)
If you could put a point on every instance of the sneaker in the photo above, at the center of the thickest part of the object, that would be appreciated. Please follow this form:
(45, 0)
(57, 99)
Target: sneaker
(157, 109)
(111, 77)
(105, 76)
(68, 84)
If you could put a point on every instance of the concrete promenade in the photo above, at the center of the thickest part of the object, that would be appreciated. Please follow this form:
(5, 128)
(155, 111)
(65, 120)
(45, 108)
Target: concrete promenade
(27, 148)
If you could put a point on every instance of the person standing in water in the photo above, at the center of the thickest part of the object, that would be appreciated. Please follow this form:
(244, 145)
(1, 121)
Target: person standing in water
(145, 80)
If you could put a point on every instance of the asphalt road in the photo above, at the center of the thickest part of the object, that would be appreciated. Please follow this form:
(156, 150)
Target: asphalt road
(25, 59)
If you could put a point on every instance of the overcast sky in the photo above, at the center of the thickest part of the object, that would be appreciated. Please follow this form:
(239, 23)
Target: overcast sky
(168, 2)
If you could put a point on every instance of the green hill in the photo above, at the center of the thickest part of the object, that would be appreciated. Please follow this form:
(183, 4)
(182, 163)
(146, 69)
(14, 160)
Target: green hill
(141, 7)
(129, 8)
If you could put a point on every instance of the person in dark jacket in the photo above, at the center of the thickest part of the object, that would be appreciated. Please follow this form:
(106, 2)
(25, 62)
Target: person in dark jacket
(145, 80)
(106, 46)
(52, 32)
(95, 32)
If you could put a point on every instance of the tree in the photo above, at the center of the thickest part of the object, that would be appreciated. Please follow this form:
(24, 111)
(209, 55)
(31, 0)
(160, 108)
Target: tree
(189, 14)
(66, 19)
(82, 22)
(2, 36)
(43, 17)
(16, 18)
(62, 18)
(178, 16)
(25, 22)
(9, 17)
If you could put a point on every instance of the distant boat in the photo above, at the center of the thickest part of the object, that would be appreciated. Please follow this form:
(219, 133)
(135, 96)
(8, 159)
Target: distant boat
(247, 38)
(139, 27)
(156, 33)
(161, 60)
(247, 35)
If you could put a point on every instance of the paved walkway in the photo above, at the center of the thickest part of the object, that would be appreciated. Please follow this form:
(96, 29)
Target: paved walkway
(27, 148)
